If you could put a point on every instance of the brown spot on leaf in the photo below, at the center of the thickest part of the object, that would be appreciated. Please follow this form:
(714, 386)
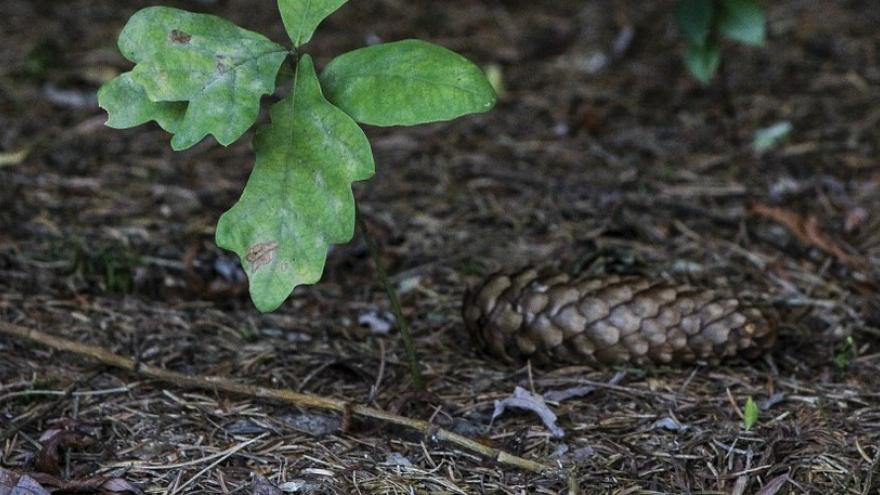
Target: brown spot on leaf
(261, 254)
(180, 37)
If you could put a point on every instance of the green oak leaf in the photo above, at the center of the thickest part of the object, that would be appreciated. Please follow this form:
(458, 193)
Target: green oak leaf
(694, 19)
(743, 21)
(298, 199)
(127, 104)
(703, 61)
(301, 17)
(220, 69)
(406, 83)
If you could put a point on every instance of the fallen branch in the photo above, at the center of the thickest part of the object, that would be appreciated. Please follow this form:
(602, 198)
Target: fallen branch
(212, 383)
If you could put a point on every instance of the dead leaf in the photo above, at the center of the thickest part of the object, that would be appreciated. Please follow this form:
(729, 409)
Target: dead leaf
(523, 399)
(807, 231)
(378, 323)
(119, 485)
(12, 483)
(773, 486)
(49, 458)
(262, 486)
(104, 485)
(855, 218)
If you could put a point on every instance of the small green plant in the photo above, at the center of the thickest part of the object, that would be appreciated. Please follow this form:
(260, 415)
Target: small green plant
(750, 414)
(198, 74)
(703, 23)
(845, 355)
(106, 265)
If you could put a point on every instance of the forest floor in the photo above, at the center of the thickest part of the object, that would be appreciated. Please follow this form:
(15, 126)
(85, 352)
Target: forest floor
(602, 154)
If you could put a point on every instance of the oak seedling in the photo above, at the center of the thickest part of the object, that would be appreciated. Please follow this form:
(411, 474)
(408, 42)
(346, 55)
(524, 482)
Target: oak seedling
(197, 75)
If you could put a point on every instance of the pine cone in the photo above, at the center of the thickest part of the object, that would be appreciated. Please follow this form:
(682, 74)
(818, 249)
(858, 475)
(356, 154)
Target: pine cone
(552, 318)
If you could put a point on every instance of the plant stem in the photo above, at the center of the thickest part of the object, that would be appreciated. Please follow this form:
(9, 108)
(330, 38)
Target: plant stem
(402, 325)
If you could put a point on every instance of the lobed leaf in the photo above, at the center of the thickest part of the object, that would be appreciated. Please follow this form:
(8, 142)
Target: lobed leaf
(220, 69)
(298, 199)
(406, 83)
(743, 21)
(703, 61)
(694, 19)
(302, 17)
(127, 104)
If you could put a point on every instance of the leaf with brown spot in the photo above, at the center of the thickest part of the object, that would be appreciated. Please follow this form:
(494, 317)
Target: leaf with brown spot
(298, 199)
(216, 69)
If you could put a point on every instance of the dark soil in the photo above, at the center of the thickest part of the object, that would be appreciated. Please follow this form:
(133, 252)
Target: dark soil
(596, 158)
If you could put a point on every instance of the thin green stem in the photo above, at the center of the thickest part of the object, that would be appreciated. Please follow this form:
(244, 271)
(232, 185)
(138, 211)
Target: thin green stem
(402, 325)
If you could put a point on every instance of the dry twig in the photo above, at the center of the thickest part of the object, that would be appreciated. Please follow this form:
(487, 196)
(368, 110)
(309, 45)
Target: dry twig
(212, 383)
